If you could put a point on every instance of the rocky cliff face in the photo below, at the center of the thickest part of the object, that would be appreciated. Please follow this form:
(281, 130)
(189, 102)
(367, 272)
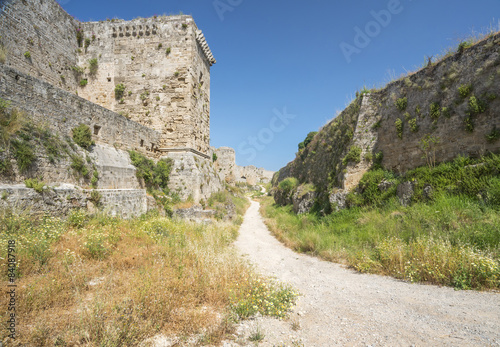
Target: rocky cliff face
(447, 109)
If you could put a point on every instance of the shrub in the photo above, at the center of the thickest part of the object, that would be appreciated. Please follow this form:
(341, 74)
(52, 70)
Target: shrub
(79, 36)
(445, 111)
(78, 165)
(77, 69)
(214, 157)
(95, 197)
(288, 185)
(177, 73)
(87, 43)
(119, 90)
(160, 45)
(184, 25)
(401, 103)
(93, 66)
(35, 184)
(377, 124)
(27, 55)
(435, 110)
(10, 121)
(94, 179)
(464, 45)
(476, 106)
(23, 152)
(354, 155)
(83, 136)
(464, 90)
(399, 127)
(377, 159)
(83, 82)
(493, 136)
(154, 175)
(413, 125)
(168, 50)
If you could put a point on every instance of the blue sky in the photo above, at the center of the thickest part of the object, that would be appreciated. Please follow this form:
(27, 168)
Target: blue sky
(285, 68)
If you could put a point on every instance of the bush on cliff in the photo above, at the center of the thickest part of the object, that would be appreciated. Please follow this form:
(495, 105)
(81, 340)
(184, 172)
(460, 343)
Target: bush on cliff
(155, 175)
(83, 136)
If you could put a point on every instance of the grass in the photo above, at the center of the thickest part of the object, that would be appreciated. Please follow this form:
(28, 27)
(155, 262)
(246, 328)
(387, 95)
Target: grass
(447, 237)
(103, 281)
(453, 241)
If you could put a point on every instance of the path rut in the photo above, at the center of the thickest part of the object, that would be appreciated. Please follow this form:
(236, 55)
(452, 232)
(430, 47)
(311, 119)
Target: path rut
(340, 307)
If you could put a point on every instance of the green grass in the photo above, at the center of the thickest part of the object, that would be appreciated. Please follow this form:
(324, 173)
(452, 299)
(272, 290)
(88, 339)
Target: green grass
(450, 239)
(449, 236)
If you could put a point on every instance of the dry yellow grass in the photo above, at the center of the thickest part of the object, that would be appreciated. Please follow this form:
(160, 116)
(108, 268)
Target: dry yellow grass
(108, 282)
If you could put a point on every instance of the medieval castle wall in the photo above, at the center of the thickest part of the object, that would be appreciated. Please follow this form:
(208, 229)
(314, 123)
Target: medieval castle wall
(45, 31)
(165, 71)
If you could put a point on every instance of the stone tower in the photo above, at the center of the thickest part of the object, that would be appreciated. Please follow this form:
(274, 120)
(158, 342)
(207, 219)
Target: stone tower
(163, 63)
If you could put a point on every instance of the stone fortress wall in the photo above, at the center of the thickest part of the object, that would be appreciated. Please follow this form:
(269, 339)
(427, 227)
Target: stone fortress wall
(47, 32)
(231, 173)
(164, 64)
(433, 109)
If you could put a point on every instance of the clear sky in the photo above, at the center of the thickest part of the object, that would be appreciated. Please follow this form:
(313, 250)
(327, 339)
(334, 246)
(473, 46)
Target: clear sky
(285, 67)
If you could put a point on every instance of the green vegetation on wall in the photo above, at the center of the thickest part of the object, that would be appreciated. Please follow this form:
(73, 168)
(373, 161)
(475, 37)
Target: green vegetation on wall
(83, 136)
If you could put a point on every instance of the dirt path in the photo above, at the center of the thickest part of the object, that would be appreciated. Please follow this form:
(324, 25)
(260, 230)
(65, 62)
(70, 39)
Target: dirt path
(340, 307)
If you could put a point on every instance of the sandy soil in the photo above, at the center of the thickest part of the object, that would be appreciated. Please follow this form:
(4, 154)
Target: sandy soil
(339, 307)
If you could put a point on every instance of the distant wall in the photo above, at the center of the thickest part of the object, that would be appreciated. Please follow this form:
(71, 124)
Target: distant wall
(47, 32)
(62, 111)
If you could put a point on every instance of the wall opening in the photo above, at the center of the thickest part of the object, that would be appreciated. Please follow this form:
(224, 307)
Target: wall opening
(142, 143)
(97, 128)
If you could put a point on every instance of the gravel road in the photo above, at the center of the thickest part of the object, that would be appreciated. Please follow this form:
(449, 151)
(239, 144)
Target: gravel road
(339, 307)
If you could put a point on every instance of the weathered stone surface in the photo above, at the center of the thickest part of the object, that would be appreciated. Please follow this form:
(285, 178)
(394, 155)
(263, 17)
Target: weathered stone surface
(338, 200)
(369, 122)
(60, 200)
(61, 112)
(303, 202)
(193, 176)
(428, 192)
(195, 214)
(405, 192)
(45, 30)
(385, 185)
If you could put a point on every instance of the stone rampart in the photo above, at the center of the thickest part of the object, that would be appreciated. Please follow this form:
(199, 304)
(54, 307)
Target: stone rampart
(62, 111)
(45, 31)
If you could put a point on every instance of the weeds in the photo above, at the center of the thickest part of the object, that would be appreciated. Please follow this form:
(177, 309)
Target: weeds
(83, 136)
(354, 155)
(93, 66)
(401, 104)
(105, 281)
(399, 127)
(35, 184)
(119, 90)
